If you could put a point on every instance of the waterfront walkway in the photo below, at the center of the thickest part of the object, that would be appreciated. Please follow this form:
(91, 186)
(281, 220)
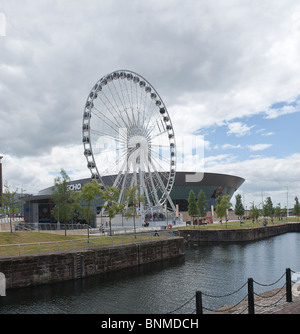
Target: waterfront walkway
(271, 302)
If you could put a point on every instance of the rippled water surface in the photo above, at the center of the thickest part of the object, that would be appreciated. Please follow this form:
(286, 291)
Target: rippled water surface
(165, 287)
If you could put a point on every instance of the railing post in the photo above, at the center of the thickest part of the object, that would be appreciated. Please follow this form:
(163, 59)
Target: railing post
(288, 285)
(250, 296)
(199, 309)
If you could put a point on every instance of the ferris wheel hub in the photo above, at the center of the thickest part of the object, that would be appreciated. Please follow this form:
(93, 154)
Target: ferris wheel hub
(128, 136)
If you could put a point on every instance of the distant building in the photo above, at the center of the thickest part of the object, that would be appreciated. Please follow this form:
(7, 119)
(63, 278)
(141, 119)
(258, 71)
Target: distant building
(38, 207)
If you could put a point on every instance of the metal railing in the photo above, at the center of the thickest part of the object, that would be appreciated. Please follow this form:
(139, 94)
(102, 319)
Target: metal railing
(251, 304)
(48, 226)
(40, 248)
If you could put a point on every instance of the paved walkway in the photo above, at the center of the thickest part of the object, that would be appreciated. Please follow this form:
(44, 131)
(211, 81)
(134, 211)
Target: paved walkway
(271, 302)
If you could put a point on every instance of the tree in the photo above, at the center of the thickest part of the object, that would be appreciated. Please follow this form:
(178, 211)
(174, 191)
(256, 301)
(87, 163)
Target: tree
(62, 198)
(110, 196)
(132, 197)
(268, 209)
(239, 209)
(277, 211)
(254, 212)
(296, 209)
(88, 194)
(192, 206)
(222, 206)
(10, 201)
(201, 204)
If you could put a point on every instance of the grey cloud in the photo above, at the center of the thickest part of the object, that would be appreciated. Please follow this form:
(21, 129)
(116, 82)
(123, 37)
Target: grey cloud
(199, 52)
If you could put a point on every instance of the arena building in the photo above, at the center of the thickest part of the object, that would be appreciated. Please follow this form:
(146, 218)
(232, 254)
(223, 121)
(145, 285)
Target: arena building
(38, 207)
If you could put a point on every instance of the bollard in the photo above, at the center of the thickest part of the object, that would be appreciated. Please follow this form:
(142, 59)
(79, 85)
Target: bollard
(250, 296)
(288, 285)
(199, 309)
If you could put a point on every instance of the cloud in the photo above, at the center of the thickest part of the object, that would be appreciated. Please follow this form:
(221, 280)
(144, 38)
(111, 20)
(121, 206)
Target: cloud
(34, 173)
(276, 112)
(239, 129)
(268, 175)
(214, 63)
(268, 134)
(230, 146)
(259, 147)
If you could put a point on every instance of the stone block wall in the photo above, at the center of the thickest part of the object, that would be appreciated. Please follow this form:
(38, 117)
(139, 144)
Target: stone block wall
(239, 235)
(41, 269)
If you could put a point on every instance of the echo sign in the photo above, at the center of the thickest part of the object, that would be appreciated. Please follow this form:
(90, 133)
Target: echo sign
(76, 186)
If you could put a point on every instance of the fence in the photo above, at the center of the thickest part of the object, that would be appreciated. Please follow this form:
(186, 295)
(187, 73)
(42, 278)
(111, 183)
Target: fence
(48, 226)
(249, 298)
(11, 219)
(64, 245)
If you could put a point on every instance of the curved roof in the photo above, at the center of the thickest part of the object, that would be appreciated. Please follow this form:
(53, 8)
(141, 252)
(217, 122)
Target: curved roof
(208, 179)
(181, 179)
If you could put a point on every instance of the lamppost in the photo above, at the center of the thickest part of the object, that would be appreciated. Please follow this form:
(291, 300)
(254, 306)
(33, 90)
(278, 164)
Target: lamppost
(1, 183)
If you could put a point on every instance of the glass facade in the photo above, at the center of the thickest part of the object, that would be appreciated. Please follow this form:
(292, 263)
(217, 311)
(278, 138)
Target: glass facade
(38, 208)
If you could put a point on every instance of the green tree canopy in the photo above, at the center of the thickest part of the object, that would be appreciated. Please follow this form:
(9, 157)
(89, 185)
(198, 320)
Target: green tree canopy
(277, 211)
(131, 198)
(223, 204)
(296, 209)
(254, 212)
(239, 209)
(62, 198)
(268, 209)
(192, 205)
(110, 196)
(88, 195)
(201, 204)
(10, 201)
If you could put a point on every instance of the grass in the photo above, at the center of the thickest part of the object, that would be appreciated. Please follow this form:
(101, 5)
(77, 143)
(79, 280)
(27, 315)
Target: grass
(234, 225)
(22, 237)
(25, 242)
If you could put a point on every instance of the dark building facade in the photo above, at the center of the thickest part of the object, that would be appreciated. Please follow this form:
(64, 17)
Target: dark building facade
(38, 208)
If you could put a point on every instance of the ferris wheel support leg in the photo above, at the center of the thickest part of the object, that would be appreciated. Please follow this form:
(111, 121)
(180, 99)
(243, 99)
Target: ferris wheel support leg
(164, 189)
(153, 187)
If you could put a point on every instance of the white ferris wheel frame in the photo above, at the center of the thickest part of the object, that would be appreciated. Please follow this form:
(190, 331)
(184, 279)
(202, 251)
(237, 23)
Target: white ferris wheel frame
(130, 114)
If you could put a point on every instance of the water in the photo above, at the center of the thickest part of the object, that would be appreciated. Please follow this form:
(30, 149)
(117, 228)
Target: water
(163, 288)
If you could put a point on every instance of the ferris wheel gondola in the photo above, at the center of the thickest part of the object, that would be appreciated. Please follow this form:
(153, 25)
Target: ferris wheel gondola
(129, 138)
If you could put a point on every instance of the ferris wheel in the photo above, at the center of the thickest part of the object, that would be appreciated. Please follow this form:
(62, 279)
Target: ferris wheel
(129, 139)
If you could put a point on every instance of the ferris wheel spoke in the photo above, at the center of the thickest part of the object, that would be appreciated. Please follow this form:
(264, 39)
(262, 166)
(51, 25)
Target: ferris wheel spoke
(149, 114)
(162, 186)
(152, 186)
(106, 104)
(123, 185)
(129, 139)
(123, 106)
(106, 135)
(108, 168)
(95, 111)
(159, 159)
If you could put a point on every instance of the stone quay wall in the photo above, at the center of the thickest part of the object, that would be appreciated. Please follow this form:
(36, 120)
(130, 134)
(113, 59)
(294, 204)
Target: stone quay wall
(30, 270)
(241, 235)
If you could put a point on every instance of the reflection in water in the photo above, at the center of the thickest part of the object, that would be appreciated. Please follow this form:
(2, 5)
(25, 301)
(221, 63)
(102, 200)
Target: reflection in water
(165, 286)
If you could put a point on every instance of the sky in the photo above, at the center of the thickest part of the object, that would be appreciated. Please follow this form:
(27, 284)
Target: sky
(227, 71)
